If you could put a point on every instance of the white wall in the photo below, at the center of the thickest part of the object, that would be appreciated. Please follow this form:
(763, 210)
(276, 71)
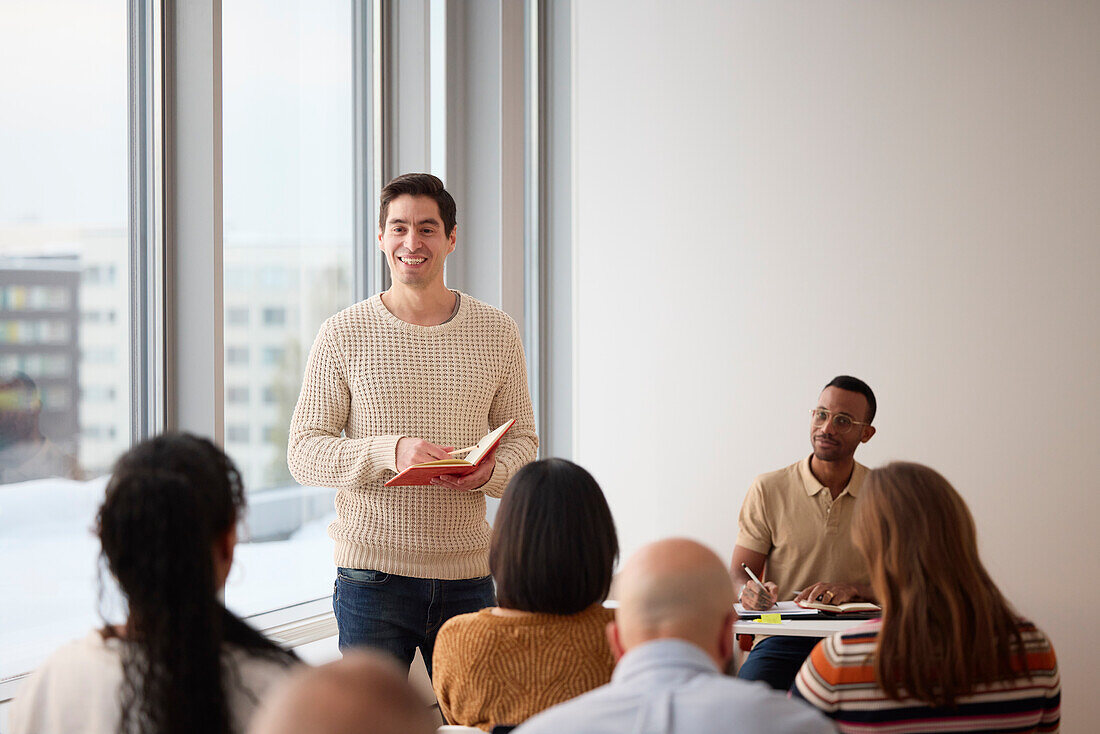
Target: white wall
(770, 194)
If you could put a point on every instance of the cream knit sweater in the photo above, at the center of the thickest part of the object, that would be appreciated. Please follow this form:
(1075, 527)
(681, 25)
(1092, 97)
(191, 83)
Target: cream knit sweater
(376, 378)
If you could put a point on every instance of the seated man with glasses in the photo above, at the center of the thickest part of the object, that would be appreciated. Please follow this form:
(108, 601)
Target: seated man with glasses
(796, 522)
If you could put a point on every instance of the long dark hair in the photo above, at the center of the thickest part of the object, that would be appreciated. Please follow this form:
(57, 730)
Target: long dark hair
(554, 544)
(946, 628)
(168, 501)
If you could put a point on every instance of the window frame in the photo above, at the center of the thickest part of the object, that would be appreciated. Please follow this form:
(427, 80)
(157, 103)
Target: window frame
(175, 152)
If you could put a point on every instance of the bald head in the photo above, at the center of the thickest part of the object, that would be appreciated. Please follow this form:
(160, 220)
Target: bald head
(365, 693)
(675, 588)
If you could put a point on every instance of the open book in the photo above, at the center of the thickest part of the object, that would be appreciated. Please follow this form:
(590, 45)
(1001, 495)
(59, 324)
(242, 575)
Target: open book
(421, 474)
(852, 607)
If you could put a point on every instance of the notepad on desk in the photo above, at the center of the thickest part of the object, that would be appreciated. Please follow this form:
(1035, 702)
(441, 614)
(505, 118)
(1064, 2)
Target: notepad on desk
(786, 610)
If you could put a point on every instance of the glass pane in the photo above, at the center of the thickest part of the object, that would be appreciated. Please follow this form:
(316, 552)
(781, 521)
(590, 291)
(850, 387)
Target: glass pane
(287, 110)
(64, 311)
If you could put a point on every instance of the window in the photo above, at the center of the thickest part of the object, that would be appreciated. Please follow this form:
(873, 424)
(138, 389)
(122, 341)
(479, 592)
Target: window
(287, 251)
(236, 433)
(236, 395)
(97, 317)
(100, 432)
(99, 354)
(274, 316)
(79, 352)
(98, 393)
(237, 356)
(236, 316)
(64, 252)
(273, 356)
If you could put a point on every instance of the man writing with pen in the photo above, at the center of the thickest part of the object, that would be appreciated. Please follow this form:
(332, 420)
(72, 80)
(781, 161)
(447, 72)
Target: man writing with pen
(794, 528)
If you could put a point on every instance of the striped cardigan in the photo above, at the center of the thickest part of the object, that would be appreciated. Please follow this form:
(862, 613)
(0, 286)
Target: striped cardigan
(839, 679)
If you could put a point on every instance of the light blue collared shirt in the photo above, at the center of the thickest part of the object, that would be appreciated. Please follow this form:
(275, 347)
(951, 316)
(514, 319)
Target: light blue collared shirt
(671, 686)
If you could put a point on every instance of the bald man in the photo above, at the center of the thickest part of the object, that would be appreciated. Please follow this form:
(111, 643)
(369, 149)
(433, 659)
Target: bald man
(365, 693)
(672, 636)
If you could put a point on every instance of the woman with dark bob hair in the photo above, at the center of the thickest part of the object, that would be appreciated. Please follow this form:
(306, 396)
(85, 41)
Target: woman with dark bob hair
(552, 555)
(949, 653)
(181, 662)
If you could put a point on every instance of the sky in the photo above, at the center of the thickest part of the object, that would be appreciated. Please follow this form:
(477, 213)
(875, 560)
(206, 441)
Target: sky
(63, 112)
(287, 107)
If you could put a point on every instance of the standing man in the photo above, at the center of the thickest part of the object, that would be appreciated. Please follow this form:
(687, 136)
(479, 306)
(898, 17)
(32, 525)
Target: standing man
(797, 521)
(400, 379)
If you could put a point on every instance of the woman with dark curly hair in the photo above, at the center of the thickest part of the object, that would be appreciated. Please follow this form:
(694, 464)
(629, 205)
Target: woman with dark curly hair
(181, 662)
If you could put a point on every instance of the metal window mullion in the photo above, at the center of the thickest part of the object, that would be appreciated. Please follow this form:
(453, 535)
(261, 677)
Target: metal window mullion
(193, 234)
(143, 85)
(382, 140)
(534, 256)
(365, 129)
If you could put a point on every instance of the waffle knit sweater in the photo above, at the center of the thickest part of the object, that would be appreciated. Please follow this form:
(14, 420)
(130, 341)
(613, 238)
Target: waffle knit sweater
(375, 378)
(489, 669)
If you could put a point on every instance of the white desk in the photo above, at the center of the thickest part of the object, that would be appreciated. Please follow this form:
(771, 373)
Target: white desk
(796, 627)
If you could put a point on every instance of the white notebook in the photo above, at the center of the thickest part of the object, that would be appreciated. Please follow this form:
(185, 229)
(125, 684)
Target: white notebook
(786, 608)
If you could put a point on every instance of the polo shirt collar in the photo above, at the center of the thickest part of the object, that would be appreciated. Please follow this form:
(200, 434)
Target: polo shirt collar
(661, 655)
(812, 485)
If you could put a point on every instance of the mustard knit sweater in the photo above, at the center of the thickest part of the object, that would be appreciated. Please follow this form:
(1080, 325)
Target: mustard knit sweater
(373, 378)
(490, 670)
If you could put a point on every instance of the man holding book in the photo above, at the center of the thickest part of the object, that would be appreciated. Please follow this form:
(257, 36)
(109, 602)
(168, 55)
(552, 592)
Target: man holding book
(797, 523)
(401, 379)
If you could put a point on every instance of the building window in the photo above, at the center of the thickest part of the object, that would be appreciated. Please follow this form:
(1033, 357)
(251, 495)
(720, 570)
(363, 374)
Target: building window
(273, 356)
(98, 393)
(236, 316)
(236, 433)
(237, 356)
(274, 316)
(236, 395)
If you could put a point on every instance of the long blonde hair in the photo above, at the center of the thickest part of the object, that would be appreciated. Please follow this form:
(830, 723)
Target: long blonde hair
(946, 627)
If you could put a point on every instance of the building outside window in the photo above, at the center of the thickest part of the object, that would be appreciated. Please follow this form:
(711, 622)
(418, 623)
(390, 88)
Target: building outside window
(236, 395)
(236, 316)
(274, 316)
(288, 254)
(65, 412)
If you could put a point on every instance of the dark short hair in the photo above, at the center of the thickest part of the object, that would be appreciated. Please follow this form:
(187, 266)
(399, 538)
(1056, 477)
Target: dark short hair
(854, 384)
(554, 542)
(419, 184)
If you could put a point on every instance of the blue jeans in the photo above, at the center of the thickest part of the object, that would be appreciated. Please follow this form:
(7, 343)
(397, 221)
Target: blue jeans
(399, 613)
(776, 660)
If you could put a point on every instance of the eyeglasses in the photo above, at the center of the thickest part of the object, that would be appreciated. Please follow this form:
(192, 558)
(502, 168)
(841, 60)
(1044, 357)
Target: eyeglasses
(842, 423)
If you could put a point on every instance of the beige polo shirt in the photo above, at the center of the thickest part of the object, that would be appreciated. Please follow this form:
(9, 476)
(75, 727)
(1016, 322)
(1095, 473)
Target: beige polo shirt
(792, 518)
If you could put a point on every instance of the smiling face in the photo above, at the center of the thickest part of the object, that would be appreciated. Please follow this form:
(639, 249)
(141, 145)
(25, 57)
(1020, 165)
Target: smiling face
(414, 242)
(828, 443)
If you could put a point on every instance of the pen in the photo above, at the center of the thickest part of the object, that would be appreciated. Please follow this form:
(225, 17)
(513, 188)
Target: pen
(753, 577)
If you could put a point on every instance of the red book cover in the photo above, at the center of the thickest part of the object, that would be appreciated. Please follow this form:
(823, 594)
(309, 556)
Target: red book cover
(419, 475)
